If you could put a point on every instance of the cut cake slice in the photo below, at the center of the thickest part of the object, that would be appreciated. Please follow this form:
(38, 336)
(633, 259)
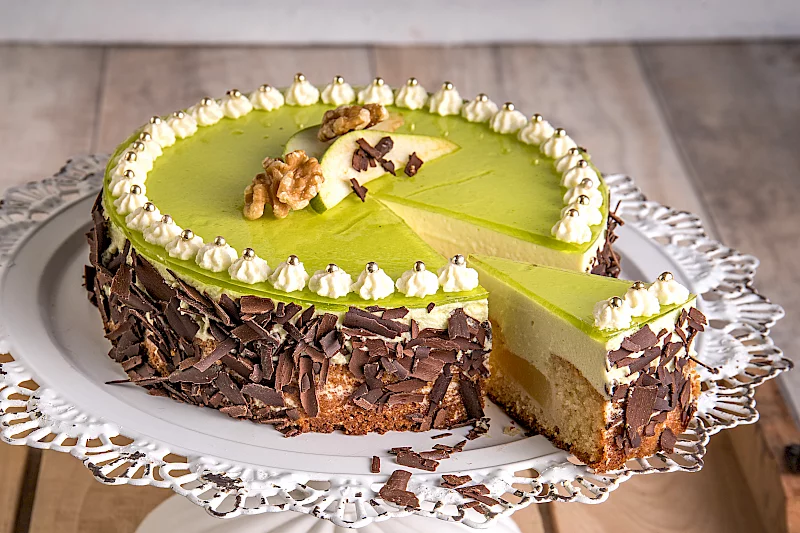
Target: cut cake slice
(605, 395)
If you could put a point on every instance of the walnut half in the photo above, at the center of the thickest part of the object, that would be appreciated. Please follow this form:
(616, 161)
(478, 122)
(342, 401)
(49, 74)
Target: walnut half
(285, 184)
(347, 118)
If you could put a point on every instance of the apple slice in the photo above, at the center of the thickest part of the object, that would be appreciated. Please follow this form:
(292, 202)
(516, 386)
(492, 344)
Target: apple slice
(337, 160)
(306, 139)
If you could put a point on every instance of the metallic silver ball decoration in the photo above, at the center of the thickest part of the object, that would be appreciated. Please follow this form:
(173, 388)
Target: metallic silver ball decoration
(587, 183)
(138, 146)
(372, 267)
(560, 132)
(293, 260)
(155, 120)
(219, 241)
(379, 82)
(331, 268)
(536, 117)
(447, 86)
(248, 253)
(149, 207)
(166, 219)
(666, 276)
(573, 151)
(615, 302)
(582, 163)
(509, 106)
(419, 266)
(583, 200)
(207, 101)
(299, 77)
(458, 259)
(234, 93)
(187, 235)
(128, 174)
(131, 156)
(638, 286)
(482, 98)
(135, 189)
(338, 80)
(412, 82)
(179, 114)
(145, 137)
(572, 213)
(265, 88)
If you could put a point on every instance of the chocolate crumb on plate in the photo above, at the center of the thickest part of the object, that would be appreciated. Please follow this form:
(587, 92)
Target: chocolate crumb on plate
(396, 490)
(441, 435)
(450, 481)
(415, 460)
(375, 467)
(359, 189)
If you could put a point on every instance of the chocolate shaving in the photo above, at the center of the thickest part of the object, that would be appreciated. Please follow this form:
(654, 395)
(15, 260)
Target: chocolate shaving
(430, 307)
(408, 385)
(450, 481)
(640, 405)
(264, 394)
(395, 490)
(413, 165)
(397, 312)
(667, 440)
(471, 396)
(255, 305)
(375, 466)
(415, 460)
(359, 189)
(222, 349)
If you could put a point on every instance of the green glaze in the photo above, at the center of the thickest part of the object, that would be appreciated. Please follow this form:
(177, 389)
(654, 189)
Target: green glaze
(570, 295)
(492, 180)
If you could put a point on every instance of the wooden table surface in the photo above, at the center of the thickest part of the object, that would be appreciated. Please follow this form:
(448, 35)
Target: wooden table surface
(709, 128)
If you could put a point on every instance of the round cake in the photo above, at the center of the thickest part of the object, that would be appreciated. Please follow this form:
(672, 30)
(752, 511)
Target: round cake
(302, 257)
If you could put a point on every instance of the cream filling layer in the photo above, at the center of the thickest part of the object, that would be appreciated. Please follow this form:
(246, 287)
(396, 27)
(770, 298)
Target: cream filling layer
(535, 334)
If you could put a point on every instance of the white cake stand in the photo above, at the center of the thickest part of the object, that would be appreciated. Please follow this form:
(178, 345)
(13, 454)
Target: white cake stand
(52, 396)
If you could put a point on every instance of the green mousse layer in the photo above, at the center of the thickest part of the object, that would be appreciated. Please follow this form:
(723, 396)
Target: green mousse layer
(493, 180)
(569, 295)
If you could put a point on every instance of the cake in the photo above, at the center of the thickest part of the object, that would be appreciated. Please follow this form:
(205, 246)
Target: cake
(240, 262)
(602, 366)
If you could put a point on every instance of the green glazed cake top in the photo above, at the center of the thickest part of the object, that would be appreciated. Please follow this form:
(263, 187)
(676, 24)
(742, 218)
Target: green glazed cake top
(198, 162)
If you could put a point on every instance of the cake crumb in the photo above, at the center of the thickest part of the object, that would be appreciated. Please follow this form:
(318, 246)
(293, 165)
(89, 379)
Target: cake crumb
(511, 431)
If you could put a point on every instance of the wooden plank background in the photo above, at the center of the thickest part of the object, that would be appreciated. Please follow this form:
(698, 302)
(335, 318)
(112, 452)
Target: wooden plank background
(710, 128)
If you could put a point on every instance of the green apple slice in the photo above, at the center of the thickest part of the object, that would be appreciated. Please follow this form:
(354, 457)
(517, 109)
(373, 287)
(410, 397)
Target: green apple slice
(337, 161)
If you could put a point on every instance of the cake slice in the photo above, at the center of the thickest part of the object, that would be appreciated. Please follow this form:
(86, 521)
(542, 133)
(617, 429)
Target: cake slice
(572, 361)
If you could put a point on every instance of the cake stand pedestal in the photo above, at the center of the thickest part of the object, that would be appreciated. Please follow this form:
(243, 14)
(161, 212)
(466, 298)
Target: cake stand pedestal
(178, 514)
(53, 394)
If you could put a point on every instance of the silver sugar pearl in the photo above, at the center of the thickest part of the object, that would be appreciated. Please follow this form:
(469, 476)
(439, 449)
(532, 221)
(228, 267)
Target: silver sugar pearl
(135, 189)
(587, 183)
(412, 82)
(666, 276)
(458, 259)
(338, 80)
(166, 219)
(149, 207)
(138, 146)
(615, 302)
(582, 163)
(155, 120)
(583, 200)
(219, 241)
(128, 174)
(131, 156)
(331, 268)
(234, 93)
(560, 132)
(179, 114)
(187, 235)
(206, 101)
(508, 106)
(293, 260)
(145, 137)
(482, 98)
(572, 213)
(248, 253)
(379, 82)
(372, 267)
(638, 286)
(299, 77)
(447, 86)
(419, 266)
(536, 117)
(265, 88)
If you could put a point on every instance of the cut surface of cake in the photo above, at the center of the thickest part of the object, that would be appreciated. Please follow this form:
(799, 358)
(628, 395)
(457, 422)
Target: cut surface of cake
(239, 262)
(601, 366)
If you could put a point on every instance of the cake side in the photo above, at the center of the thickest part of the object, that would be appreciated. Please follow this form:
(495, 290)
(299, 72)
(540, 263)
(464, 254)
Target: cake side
(283, 363)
